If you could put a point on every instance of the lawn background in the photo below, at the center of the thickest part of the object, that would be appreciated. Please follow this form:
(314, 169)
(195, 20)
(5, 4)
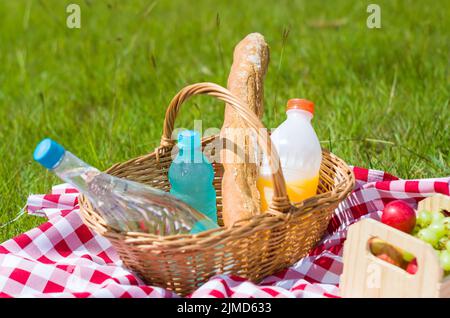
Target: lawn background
(382, 95)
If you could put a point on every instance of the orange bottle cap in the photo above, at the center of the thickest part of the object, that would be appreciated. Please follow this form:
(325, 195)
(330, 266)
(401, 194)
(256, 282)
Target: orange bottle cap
(300, 103)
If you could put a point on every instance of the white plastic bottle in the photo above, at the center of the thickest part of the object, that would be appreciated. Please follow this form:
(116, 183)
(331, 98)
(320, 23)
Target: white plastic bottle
(300, 155)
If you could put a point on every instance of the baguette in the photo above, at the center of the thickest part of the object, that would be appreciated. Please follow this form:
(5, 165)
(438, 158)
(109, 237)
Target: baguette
(240, 196)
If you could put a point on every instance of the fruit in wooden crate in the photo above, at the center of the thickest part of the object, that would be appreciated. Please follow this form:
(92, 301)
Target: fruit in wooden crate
(412, 267)
(429, 269)
(429, 236)
(438, 228)
(444, 259)
(424, 218)
(435, 231)
(389, 253)
(387, 258)
(432, 227)
(437, 217)
(399, 215)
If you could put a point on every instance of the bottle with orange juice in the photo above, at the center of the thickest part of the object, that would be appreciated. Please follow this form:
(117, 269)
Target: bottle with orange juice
(300, 155)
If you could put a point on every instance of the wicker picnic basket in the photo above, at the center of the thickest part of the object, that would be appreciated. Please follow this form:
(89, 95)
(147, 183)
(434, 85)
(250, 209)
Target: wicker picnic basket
(251, 248)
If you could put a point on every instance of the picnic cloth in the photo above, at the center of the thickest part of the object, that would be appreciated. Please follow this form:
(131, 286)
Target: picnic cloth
(64, 258)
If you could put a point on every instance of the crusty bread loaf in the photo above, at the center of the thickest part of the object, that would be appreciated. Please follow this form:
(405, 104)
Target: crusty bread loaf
(240, 197)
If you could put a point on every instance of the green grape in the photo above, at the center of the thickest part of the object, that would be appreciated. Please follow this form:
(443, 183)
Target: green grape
(444, 259)
(446, 222)
(407, 256)
(438, 228)
(437, 217)
(415, 230)
(447, 246)
(428, 235)
(443, 243)
(424, 218)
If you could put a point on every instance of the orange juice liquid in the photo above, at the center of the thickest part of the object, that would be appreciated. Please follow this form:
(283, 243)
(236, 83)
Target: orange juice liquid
(297, 190)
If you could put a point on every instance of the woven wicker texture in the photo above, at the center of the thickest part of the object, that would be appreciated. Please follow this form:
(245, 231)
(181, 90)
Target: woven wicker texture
(251, 248)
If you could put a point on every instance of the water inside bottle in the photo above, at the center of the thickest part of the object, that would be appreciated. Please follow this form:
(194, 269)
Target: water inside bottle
(125, 205)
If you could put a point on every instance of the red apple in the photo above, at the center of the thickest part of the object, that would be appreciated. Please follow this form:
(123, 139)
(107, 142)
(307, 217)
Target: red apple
(412, 267)
(399, 215)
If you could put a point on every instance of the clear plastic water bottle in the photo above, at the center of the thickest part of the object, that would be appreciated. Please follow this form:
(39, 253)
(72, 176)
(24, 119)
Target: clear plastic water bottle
(124, 204)
(191, 175)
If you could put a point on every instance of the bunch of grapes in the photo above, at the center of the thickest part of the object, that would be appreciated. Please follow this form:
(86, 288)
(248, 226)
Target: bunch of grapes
(433, 227)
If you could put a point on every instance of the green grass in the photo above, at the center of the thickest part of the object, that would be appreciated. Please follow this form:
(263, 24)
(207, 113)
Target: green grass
(382, 95)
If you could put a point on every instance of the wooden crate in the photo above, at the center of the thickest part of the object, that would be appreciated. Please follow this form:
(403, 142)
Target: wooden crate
(365, 275)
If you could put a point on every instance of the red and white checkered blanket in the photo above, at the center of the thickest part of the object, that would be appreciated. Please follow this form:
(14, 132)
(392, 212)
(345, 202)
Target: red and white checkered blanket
(63, 258)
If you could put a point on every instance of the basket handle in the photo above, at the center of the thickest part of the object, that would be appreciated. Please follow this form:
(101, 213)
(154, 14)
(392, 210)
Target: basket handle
(280, 201)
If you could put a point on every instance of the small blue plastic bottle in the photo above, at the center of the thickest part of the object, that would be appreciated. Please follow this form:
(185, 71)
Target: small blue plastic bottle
(191, 175)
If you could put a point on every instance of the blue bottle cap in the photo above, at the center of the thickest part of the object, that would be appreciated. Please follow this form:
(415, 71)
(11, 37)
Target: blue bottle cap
(48, 153)
(189, 139)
